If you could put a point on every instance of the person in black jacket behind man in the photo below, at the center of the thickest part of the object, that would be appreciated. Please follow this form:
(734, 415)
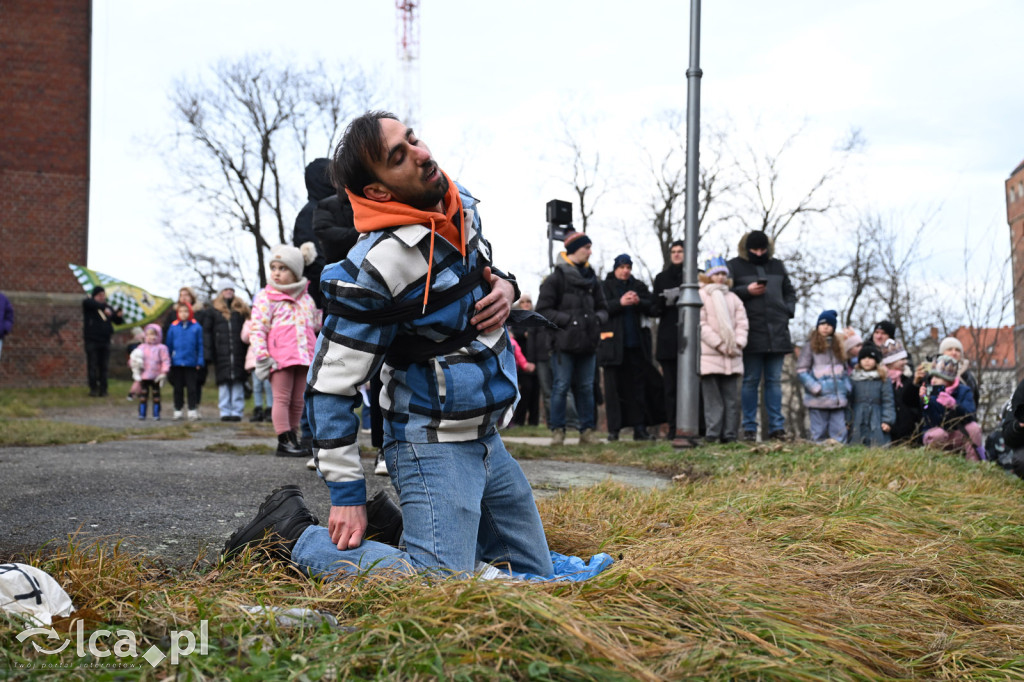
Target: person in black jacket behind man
(667, 285)
(317, 187)
(571, 297)
(762, 283)
(98, 320)
(625, 349)
(335, 227)
(529, 340)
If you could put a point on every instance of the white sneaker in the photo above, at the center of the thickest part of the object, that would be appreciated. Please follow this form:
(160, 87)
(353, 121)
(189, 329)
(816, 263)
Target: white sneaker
(177, 415)
(193, 415)
(381, 467)
(311, 464)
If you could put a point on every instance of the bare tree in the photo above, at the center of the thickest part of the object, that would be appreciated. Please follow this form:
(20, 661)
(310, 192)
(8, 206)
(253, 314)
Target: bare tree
(247, 128)
(586, 176)
(987, 303)
(717, 182)
(767, 208)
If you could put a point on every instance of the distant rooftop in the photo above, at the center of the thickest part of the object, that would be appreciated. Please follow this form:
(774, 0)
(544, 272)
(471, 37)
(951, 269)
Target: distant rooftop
(1016, 170)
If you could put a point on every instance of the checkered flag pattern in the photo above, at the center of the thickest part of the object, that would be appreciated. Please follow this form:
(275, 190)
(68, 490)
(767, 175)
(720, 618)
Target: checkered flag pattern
(138, 306)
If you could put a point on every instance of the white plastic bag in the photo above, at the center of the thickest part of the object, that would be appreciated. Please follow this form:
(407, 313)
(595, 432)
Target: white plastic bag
(32, 593)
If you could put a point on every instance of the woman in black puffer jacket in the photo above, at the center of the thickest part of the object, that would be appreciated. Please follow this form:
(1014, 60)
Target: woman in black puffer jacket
(225, 349)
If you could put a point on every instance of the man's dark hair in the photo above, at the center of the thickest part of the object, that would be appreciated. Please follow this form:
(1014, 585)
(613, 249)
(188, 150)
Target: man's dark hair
(362, 143)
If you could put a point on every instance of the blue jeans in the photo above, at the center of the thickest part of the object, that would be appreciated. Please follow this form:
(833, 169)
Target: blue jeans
(575, 371)
(768, 365)
(231, 398)
(461, 502)
(262, 393)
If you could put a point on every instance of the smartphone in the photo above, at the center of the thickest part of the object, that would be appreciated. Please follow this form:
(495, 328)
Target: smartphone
(762, 281)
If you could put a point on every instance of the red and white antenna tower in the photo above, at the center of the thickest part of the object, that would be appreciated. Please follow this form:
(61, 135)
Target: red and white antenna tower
(408, 26)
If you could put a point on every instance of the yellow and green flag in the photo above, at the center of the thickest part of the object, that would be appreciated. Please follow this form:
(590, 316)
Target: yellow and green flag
(138, 306)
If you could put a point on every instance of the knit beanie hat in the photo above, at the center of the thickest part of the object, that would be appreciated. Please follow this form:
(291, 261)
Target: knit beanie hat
(622, 259)
(944, 367)
(870, 351)
(757, 240)
(574, 241)
(853, 339)
(893, 352)
(829, 317)
(295, 259)
(225, 283)
(950, 342)
(159, 332)
(97, 290)
(887, 327)
(714, 265)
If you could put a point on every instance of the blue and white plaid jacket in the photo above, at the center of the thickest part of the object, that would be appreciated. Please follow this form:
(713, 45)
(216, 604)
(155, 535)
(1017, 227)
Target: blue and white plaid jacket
(461, 396)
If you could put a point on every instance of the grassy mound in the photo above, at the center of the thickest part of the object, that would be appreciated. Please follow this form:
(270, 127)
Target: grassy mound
(790, 562)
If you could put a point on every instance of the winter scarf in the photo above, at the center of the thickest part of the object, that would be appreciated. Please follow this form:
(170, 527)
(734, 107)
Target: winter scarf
(371, 216)
(926, 390)
(294, 289)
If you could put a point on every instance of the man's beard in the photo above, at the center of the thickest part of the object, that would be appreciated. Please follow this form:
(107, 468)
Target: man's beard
(429, 198)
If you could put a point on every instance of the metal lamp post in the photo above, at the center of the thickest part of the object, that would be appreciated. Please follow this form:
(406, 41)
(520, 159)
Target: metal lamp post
(687, 378)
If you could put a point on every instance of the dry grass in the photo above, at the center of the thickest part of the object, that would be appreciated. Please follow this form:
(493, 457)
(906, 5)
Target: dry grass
(783, 563)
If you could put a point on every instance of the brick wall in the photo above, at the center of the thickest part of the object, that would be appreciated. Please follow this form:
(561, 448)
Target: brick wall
(45, 48)
(1014, 189)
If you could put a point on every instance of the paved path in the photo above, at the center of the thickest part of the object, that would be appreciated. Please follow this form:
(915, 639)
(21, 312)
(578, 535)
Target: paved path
(171, 499)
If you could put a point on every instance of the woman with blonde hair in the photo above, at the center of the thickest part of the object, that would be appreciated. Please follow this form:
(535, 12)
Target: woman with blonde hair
(226, 350)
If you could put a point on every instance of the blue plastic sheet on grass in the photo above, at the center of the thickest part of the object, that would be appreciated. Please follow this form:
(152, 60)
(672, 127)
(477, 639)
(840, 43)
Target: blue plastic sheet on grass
(570, 568)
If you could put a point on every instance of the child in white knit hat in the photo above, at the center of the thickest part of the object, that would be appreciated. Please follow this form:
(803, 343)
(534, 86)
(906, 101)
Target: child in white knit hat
(951, 347)
(284, 325)
(948, 407)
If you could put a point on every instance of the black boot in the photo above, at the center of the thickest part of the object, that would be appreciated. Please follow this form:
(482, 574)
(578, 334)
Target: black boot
(257, 414)
(306, 445)
(280, 521)
(384, 520)
(286, 448)
(641, 433)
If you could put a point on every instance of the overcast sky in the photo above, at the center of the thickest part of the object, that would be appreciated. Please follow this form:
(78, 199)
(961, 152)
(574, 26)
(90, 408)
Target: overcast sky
(933, 86)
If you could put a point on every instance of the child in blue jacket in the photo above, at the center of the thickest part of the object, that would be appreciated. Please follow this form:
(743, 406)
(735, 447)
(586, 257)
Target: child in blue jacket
(185, 344)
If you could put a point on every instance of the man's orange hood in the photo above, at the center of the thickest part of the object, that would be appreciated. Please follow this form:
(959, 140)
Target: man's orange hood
(370, 216)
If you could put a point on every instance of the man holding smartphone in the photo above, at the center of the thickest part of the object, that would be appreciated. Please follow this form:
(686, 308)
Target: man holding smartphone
(762, 283)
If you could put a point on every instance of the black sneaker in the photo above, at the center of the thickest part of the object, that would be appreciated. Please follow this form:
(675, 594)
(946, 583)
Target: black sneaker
(278, 524)
(749, 436)
(383, 520)
(777, 435)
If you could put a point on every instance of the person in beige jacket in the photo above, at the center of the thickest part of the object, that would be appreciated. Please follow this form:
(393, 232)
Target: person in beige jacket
(723, 335)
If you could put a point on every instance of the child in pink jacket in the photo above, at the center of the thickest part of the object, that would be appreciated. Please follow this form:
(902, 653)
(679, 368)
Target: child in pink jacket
(150, 362)
(723, 336)
(283, 333)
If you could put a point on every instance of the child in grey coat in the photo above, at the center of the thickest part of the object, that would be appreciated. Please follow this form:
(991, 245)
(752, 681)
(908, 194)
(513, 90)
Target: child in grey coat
(872, 406)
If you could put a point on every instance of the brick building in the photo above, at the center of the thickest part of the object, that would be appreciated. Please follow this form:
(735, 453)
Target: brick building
(45, 61)
(1015, 218)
